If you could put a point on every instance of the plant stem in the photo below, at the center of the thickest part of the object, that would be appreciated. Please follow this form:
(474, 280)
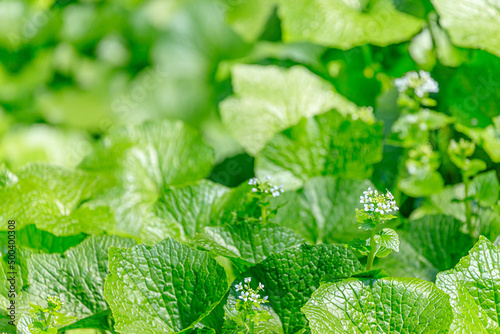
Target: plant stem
(251, 327)
(263, 214)
(468, 210)
(48, 321)
(371, 255)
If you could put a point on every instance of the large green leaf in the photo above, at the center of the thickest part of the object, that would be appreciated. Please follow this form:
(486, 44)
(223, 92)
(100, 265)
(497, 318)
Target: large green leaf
(471, 96)
(485, 188)
(324, 145)
(387, 305)
(77, 278)
(42, 143)
(474, 289)
(325, 208)
(248, 18)
(439, 239)
(191, 206)
(344, 24)
(175, 152)
(247, 244)
(4, 323)
(408, 262)
(481, 29)
(167, 288)
(57, 200)
(269, 99)
(146, 158)
(36, 239)
(292, 276)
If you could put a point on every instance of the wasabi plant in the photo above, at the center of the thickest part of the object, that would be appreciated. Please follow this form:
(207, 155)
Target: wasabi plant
(263, 190)
(249, 307)
(376, 211)
(414, 130)
(48, 319)
(460, 153)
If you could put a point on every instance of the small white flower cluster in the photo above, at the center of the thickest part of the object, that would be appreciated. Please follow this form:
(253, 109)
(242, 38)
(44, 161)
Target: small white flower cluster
(421, 82)
(265, 187)
(54, 302)
(249, 294)
(378, 202)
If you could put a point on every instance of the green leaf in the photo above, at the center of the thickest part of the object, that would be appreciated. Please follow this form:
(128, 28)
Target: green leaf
(167, 288)
(191, 206)
(382, 252)
(77, 277)
(439, 239)
(56, 199)
(387, 238)
(43, 143)
(247, 244)
(422, 185)
(329, 144)
(292, 276)
(488, 222)
(473, 286)
(408, 262)
(248, 18)
(344, 24)
(326, 209)
(46, 242)
(471, 96)
(486, 188)
(269, 99)
(176, 151)
(481, 30)
(360, 245)
(7, 178)
(146, 158)
(387, 305)
(4, 323)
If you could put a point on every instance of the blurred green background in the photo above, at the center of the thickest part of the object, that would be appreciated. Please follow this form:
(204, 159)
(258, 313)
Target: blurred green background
(72, 70)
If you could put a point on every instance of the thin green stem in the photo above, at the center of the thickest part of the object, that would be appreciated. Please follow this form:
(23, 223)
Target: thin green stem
(371, 255)
(468, 209)
(251, 327)
(48, 321)
(263, 214)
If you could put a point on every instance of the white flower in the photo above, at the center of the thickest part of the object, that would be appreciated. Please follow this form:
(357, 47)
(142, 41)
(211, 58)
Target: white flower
(378, 202)
(252, 181)
(254, 297)
(261, 286)
(265, 298)
(254, 190)
(239, 286)
(248, 279)
(244, 296)
(421, 82)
